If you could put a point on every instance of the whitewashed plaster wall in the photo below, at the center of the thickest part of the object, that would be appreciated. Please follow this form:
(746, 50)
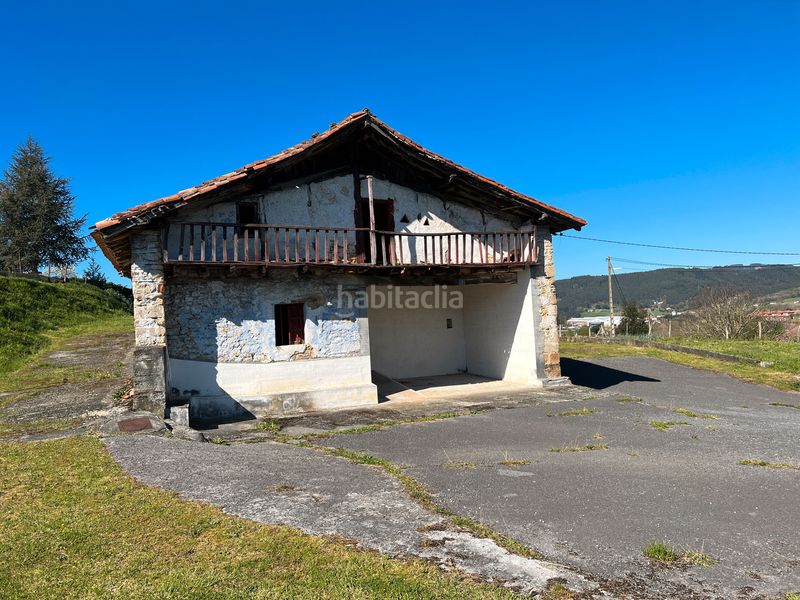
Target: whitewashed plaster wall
(499, 327)
(330, 203)
(427, 213)
(415, 342)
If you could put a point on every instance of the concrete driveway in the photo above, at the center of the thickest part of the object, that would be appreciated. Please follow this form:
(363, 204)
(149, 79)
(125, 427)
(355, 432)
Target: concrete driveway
(597, 509)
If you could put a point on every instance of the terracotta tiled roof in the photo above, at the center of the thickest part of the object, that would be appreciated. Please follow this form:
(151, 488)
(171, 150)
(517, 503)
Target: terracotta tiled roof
(254, 167)
(110, 245)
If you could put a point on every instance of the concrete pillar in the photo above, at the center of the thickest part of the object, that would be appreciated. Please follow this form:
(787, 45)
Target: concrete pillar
(548, 358)
(150, 352)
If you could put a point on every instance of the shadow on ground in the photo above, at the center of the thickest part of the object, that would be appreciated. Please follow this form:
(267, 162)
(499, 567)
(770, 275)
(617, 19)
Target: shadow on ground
(596, 376)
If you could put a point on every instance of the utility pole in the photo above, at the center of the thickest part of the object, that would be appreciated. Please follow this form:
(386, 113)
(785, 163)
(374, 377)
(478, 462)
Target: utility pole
(610, 299)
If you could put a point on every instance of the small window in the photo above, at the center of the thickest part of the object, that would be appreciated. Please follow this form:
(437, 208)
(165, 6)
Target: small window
(289, 324)
(247, 213)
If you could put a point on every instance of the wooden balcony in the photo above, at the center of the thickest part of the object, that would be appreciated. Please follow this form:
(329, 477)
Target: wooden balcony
(223, 244)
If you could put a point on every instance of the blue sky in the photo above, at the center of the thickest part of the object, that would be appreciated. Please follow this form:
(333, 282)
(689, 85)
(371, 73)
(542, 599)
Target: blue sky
(671, 123)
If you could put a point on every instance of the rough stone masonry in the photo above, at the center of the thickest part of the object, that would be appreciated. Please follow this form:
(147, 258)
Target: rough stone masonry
(149, 355)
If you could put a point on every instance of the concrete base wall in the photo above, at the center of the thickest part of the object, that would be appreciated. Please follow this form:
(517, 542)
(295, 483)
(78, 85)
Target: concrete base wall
(150, 378)
(415, 342)
(234, 390)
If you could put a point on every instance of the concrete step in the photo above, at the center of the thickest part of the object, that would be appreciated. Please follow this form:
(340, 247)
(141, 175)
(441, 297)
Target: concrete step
(391, 389)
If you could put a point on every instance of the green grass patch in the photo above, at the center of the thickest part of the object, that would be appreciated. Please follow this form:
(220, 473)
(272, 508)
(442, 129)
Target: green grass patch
(575, 412)
(557, 590)
(586, 448)
(75, 526)
(626, 399)
(784, 355)
(663, 553)
(666, 425)
(688, 413)
(685, 412)
(30, 309)
(753, 462)
(793, 596)
(269, 425)
(701, 559)
(780, 376)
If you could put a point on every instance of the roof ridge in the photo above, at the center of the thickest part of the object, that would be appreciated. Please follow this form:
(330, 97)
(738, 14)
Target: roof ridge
(316, 138)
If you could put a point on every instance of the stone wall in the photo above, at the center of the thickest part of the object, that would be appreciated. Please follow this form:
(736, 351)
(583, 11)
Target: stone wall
(232, 319)
(147, 281)
(545, 295)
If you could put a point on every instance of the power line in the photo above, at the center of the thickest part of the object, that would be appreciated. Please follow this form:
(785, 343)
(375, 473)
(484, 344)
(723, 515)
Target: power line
(591, 239)
(619, 286)
(655, 264)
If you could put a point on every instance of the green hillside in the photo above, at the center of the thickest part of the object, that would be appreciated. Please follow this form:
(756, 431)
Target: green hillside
(674, 286)
(30, 310)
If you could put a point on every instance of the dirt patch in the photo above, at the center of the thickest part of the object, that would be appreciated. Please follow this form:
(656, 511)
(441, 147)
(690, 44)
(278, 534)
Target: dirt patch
(105, 371)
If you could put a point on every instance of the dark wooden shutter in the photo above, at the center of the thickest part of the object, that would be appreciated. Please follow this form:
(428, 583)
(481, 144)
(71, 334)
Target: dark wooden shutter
(296, 323)
(289, 324)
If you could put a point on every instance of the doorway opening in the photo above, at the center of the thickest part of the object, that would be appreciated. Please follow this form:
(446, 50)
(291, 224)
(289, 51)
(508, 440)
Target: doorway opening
(384, 221)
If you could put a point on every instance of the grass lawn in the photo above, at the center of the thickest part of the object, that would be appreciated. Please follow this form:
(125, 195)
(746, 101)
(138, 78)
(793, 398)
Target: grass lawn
(29, 310)
(76, 526)
(785, 355)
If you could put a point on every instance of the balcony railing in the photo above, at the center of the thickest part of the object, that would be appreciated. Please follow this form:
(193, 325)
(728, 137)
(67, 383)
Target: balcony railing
(286, 245)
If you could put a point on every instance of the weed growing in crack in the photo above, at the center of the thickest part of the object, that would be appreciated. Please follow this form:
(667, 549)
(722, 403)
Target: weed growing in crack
(586, 448)
(785, 405)
(557, 590)
(270, 425)
(665, 554)
(752, 462)
(420, 494)
(511, 462)
(575, 412)
(688, 413)
(666, 425)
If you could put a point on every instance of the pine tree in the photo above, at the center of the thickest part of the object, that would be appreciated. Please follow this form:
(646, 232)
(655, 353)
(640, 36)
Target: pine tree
(634, 320)
(94, 275)
(37, 224)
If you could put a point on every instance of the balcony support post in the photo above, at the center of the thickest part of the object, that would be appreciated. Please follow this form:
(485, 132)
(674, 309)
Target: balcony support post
(372, 241)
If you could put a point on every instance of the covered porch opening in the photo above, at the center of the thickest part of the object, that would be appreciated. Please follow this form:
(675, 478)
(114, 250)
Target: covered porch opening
(443, 339)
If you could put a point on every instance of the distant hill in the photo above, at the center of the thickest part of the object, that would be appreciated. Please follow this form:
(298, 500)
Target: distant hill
(676, 287)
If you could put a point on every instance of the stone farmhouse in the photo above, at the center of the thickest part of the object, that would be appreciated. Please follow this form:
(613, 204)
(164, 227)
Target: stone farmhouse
(297, 282)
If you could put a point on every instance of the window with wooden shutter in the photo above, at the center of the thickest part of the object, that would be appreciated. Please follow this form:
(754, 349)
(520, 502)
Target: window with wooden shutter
(289, 324)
